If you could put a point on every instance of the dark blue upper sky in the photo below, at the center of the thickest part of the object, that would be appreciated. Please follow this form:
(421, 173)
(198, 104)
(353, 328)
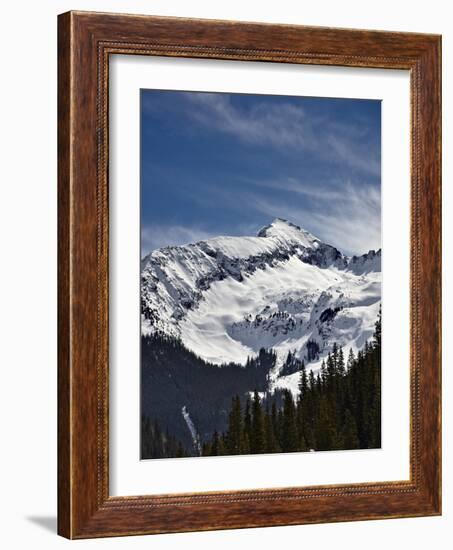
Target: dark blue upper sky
(228, 164)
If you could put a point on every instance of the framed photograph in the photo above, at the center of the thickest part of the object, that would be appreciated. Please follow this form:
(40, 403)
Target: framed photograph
(249, 275)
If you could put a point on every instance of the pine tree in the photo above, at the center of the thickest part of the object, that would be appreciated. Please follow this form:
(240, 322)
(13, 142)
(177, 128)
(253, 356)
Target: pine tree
(275, 424)
(340, 392)
(215, 444)
(325, 433)
(378, 329)
(247, 426)
(312, 381)
(235, 434)
(335, 356)
(257, 441)
(330, 372)
(309, 411)
(303, 381)
(323, 375)
(271, 441)
(341, 370)
(289, 432)
(349, 432)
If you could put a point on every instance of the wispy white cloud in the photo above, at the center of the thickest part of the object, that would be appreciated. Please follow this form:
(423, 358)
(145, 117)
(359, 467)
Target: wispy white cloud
(335, 195)
(349, 219)
(285, 126)
(156, 236)
(293, 185)
(346, 215)
(352, 156)
(280, 125)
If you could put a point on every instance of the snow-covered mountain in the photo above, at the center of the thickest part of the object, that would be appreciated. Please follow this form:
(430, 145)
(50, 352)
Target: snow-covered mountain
(285, 289)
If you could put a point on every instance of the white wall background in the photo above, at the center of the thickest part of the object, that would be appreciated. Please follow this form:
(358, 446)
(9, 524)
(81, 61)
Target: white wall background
(28, 270)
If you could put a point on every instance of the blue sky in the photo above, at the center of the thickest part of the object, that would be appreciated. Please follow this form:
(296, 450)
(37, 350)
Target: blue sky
(228, 164)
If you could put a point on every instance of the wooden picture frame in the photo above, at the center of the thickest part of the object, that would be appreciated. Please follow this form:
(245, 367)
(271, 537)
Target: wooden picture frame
(85, 42)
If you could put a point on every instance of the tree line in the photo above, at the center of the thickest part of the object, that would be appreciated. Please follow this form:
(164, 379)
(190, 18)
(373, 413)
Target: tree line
(173, 377)
(156, 443)
(339, 408)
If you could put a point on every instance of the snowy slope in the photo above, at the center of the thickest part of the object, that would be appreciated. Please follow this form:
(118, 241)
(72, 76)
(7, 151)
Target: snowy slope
(228, 297)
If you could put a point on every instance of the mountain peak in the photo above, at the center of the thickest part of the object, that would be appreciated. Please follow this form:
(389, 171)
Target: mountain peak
(277, 224)
(284, 229)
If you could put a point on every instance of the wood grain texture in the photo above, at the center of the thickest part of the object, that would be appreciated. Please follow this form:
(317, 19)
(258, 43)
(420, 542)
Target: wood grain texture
(86, 40)
(64, 370)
